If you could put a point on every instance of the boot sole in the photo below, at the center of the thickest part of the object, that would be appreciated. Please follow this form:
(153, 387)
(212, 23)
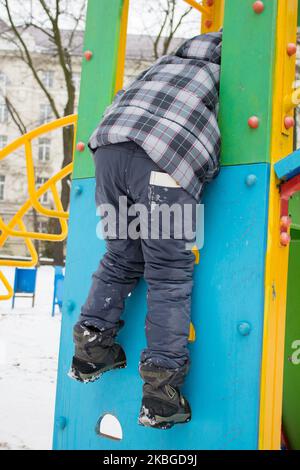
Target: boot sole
(75, 374)
(162, 422)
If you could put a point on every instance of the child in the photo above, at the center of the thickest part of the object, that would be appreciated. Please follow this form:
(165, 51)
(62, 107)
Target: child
(159, 142)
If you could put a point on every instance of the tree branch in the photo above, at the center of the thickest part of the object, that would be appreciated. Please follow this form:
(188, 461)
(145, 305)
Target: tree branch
(63, 54)
(174, 29)
(159, 35)
(15, 116)
(29, 60)
(168, 27)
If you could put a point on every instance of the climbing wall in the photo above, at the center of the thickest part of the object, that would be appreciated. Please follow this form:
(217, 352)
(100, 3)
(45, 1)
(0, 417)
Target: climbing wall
(231, 309)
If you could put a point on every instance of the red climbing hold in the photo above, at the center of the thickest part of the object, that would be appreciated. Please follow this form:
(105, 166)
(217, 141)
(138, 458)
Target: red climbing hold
(88, 55)
(80, 146)
(210, 3)
(208, 24)
(291, 49)
(285, 223)
(258, 7)
(289, 122)
(285, 239)
(253, 122)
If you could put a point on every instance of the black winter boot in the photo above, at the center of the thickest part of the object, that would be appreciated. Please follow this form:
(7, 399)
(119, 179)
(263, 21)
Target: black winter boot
(95, 353)
(162, 403)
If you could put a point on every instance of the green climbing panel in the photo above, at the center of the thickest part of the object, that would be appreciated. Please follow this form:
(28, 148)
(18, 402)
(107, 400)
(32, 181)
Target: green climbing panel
(246, 86)
(291, 390)
(98, 74)
(294, 209)
(247, 81)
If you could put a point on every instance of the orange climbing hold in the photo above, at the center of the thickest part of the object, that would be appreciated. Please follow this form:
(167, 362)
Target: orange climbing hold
(258, 7)
(88, 55)
(253, 122)
(285, 223)
(291, 49)
(80, 146)
(285, 239)
(289, 122)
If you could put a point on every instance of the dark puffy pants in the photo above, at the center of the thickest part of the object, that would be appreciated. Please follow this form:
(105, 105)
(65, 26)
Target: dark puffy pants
(125, 170)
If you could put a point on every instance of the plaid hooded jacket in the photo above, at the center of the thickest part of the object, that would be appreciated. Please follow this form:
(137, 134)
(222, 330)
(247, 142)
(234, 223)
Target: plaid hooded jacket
(171, 110)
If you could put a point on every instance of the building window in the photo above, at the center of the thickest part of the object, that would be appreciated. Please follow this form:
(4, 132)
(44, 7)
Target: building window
(44, 150)
(42, 226)
(76, 81)
(3, 113)
(2, 184)
(3, 141)
(45, 113)
(48, 78)
(39, 182)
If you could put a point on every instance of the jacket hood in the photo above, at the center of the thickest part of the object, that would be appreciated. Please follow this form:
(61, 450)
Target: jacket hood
(205, 47)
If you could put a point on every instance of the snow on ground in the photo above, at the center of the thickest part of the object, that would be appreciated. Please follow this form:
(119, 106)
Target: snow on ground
(29, 343)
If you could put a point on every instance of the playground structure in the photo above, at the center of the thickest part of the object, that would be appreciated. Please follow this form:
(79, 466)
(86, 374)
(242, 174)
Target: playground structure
(9, 229)
(244, 281)
(24, 284)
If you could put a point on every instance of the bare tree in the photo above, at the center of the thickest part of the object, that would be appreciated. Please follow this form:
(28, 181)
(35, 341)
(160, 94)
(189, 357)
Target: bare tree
(15, 115)
(62, 43)
(170, 20)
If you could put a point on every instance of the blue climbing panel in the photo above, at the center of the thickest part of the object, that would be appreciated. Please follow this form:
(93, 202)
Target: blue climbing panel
(228, 303)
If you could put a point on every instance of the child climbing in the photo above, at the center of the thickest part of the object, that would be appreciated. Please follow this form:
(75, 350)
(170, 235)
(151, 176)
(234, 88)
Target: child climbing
(157, 144)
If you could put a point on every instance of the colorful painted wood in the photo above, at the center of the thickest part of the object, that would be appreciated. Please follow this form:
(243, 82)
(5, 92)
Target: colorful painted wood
(239, 302)
(223, 385)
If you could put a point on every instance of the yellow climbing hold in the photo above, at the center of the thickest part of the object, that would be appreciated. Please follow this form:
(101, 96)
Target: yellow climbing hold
(192, 336)
(196, 252)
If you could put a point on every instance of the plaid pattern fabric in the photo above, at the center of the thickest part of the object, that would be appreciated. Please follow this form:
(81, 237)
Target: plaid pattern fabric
(171, 111)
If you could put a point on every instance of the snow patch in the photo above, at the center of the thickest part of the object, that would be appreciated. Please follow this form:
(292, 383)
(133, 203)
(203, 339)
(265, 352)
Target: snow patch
(29, 343)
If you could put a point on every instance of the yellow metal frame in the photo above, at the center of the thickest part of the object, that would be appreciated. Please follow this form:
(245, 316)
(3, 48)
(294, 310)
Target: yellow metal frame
(199, 6)
(213, 13)
(216, 16)
(122, 47)
(277, 256)
(35, 194)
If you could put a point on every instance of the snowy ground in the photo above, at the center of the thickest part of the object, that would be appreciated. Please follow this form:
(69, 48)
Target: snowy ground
(29, 343)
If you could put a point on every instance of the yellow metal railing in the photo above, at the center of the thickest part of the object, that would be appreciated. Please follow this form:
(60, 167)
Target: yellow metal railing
(212, 13)
(33, 202)
(198, 6)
